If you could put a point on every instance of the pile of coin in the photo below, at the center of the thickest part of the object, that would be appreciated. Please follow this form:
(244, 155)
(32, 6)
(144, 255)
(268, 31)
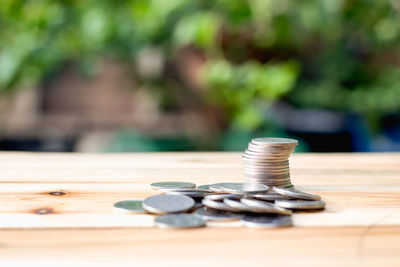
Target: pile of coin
(266, 161)
(183, 205)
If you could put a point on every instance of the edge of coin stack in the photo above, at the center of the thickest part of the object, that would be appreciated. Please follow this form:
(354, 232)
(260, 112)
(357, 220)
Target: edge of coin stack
(266, 161)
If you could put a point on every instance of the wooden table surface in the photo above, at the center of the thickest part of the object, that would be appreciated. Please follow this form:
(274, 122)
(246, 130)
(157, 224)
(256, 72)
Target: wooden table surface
(360, 226)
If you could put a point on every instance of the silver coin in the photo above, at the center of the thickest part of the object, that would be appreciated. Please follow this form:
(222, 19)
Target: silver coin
(287, 179)
(204, 187)
(266, 176)
(268, 182)
(217, 215)
(265, 158)
(268, 168)
(261, 151)
(272, 149)
(216, 187)
(254, 221)
(266, 207)
(197, 205)
(131, 206)
(296, 193)
(265, 151)
(266, 173)
(265, 161)
(274, 141)
(236, 204)
(191, 193)
(261, 174)
(179, 221)
(301, 204)
(223, 196)
(161, 204)
(217, 205)
(165, 186)
(242, 188)
(270, 196)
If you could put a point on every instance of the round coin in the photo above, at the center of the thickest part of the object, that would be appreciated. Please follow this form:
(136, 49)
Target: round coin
(243, 188)
(217, 205)
(189, 193)
(254, 221)
(205, 187)
(301, 204)
(179, 221)
(165, 186)
(131, 206)
(270, 196)
(296, 193)
(236, 204)
(274, 141)
(161, 204)
(223, 196)
(217, 215)
(266, 207)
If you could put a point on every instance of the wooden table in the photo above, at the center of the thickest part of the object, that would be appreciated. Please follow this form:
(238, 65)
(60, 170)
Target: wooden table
(57, 207)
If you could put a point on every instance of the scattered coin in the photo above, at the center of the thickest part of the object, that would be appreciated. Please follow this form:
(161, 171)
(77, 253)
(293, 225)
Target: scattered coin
(197, 205)
(223, 196)
(236, 204)
(205, 187)
(265, 207)
(131, 206)
(255, 221)
(217, 215)
(189, 193)
(165, 186)
(218, 205)
(216, 187)
(301, 204)
(296, 193)
(179, 221)
(271, 196)
(243, 188)
(160, 204)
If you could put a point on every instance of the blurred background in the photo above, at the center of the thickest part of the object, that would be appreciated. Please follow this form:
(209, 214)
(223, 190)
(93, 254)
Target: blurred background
(176, 75)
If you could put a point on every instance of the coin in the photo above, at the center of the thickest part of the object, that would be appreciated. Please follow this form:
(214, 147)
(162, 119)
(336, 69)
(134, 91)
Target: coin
(167, 203)
(165, 186)
(270, 196)
(217, 215)
(243, 188)
(205, 187)
(255, 221)
(190, 193)
(179, 221)
(131, 206)
(296, 193)
(223, 196)
(216, 187)
(301, 204)
(236, 204)
(266, 151)
(217, 205)
(263, 206)
(274, 141)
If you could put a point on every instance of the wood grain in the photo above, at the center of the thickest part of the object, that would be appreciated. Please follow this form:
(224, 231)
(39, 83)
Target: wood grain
(57, 207)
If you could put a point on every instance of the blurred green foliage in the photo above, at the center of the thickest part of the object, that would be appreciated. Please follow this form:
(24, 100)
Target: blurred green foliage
(335, 54)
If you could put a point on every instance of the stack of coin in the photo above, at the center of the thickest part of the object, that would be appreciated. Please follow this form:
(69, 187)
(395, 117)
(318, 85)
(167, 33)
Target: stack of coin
(266, 161)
